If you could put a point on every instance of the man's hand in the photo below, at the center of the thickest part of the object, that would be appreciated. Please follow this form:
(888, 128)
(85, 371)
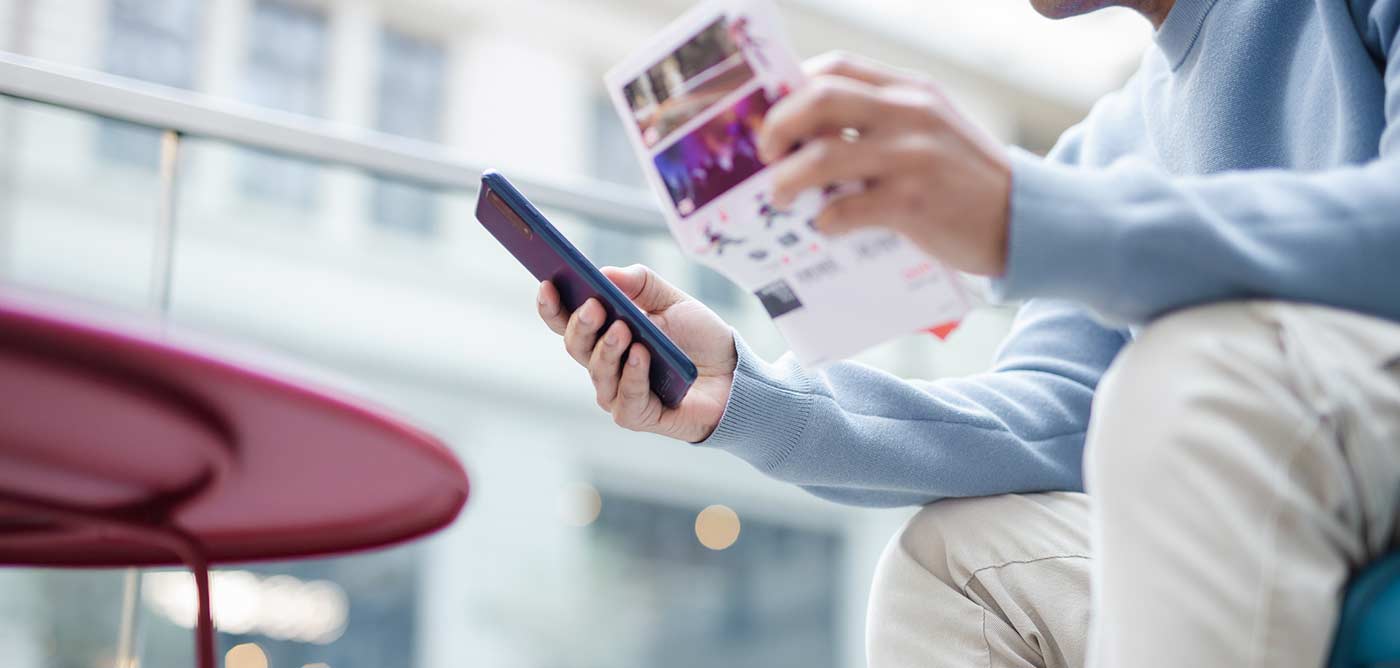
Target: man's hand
(623, 388)
(927, 172)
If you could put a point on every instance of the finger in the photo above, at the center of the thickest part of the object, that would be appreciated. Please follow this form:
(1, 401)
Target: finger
(551, 310)
(645, 287)
(860, 68)
(823, 105)
(635, 406)
(582, 331)
(822, 162)
(603, 366)
(871, 207)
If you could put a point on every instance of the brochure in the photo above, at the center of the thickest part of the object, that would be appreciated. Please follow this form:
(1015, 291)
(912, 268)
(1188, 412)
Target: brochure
(693, 101)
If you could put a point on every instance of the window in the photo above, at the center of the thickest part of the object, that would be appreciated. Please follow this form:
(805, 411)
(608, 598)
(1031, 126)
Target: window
(286, 70)
(611, 150)
(410, 104)
(768, 600)
(611, 160)
(155, 41)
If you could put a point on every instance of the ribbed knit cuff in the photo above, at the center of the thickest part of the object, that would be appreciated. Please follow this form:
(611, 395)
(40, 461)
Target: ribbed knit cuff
(766, 415)
(1060, 244)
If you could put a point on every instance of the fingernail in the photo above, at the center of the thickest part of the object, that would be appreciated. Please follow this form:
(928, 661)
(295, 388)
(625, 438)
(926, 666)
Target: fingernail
(633, 360)
(613, 338)
(584, 317)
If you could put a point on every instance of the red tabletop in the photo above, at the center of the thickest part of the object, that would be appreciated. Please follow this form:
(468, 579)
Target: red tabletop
(105, 418)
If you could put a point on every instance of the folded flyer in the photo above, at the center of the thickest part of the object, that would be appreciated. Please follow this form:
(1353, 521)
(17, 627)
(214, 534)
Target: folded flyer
(692, 101)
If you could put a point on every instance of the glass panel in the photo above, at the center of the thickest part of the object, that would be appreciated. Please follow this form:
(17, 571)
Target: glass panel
(410, 104)
(611, 156)
(405, 207)
(346, 611)
(769, 600)
(59, 618)
(715, 290)
(444, 331)
(70, 222)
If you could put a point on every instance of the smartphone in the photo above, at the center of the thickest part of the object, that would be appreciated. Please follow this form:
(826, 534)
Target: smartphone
(535, 242)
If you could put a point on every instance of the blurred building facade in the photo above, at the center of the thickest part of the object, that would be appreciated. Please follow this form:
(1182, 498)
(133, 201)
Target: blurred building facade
(392, 290)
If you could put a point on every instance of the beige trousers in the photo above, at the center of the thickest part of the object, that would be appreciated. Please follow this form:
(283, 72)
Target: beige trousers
(1243, 460)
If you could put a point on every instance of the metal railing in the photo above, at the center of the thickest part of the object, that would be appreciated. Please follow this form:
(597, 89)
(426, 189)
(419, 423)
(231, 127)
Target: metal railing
(190, 114)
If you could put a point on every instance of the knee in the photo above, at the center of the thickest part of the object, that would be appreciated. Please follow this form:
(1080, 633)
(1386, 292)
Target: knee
(947, 540)
(925, 543)
(928, 602)
(918, 590)
(1161, 403)
(953, 538)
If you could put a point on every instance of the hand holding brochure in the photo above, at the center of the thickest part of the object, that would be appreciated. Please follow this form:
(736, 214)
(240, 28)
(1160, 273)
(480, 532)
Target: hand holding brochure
(693, 101)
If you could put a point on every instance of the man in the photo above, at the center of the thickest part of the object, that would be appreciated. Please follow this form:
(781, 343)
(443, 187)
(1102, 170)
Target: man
(1234, 210)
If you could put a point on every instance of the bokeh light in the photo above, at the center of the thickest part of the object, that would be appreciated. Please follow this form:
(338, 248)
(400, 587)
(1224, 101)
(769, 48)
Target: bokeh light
(579, 504)
(717, 527)
(281, 607)
(247, 655)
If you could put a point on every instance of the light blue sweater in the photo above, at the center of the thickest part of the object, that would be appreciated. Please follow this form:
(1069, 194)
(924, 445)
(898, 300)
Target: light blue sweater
(1255, 154)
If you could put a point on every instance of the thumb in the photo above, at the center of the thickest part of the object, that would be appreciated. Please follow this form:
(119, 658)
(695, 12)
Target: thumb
(644, 286)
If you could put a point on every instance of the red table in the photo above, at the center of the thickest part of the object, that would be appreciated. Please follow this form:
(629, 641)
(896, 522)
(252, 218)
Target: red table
(121, 445)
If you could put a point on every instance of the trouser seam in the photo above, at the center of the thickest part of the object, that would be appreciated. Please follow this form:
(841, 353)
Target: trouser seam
(1263, 597)
(1016, 562)
(986, 642)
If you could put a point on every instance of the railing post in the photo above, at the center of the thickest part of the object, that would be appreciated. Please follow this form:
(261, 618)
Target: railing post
(163, 259)
(159, 298)
(128, 635)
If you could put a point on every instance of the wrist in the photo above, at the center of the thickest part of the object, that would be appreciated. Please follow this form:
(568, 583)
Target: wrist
(1059, 242)
(766, 412)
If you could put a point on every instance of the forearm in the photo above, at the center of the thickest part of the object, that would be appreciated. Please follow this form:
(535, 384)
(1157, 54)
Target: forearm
(1132, 242)
(857, 435)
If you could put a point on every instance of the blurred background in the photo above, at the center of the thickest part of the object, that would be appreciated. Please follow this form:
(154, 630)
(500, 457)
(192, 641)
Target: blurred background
(581, 544)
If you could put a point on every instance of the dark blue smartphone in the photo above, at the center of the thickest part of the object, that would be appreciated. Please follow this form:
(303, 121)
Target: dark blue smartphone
(530, 237)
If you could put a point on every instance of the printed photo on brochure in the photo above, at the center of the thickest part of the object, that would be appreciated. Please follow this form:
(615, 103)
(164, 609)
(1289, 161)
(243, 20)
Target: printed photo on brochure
(716, 156)
(702, 71)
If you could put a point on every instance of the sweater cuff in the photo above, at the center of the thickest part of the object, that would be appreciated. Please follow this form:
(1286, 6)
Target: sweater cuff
(767, 412)
(1061, 244)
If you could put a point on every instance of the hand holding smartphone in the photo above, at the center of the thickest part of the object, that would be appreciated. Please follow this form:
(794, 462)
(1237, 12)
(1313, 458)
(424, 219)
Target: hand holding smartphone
(548, 255)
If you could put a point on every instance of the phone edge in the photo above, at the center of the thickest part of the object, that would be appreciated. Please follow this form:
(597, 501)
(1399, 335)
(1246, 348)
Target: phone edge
(496, 181)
